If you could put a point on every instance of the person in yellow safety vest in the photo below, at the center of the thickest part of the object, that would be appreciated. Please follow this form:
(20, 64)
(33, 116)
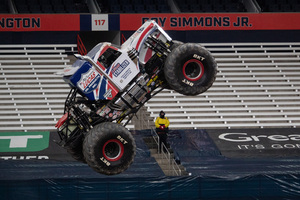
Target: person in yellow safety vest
(162, 127)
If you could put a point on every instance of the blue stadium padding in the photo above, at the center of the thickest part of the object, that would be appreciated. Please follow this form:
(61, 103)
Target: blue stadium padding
(213, 176)
(189, 187)
(201, 157)
(195, 143)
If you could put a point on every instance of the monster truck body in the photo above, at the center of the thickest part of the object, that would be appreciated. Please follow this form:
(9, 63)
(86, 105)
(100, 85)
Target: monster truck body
(112, 83)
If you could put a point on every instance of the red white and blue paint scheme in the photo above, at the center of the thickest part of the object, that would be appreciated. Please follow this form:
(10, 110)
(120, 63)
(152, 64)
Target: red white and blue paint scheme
(110, 84)
(98, 80)
(137, 40)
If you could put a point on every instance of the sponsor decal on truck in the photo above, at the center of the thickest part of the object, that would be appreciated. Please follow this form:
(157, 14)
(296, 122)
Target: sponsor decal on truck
(89, 81)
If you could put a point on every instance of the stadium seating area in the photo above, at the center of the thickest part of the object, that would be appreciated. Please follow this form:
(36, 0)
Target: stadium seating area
(211, 6)
(147, 6)
(51, 6)
(27, 83)
(134, 6)
(257, 86)
(279, 5)
(4, 8)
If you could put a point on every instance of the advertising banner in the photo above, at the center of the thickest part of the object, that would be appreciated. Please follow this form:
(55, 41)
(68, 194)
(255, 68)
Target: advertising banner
(42, 22)
(214, 21)
(31, 146)
(257, 143)
(130, 22)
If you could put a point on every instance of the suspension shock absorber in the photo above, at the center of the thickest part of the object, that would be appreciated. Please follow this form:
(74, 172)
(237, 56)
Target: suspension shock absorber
(81, 118)
(133, 55)
(157, 45)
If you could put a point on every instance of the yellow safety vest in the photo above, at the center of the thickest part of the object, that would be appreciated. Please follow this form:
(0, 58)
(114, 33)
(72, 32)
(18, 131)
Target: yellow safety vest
(162, 121)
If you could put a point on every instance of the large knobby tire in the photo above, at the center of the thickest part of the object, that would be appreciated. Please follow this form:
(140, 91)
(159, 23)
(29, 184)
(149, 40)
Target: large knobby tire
(74, 148)
(109, 148)
(176, 43)
(190, 69)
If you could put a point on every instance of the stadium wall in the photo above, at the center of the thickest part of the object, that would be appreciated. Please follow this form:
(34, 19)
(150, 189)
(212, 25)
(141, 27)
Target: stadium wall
(195, 27)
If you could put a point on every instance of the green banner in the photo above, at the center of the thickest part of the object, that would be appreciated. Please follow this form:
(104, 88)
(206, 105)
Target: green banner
(24, 141)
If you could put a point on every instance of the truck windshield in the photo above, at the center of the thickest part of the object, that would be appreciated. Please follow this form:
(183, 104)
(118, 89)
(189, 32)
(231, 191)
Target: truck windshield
(108, 57)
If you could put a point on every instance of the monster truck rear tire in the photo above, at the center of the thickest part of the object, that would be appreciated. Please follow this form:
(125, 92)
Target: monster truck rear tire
(109, 148)
(74, 148)
(190, 69)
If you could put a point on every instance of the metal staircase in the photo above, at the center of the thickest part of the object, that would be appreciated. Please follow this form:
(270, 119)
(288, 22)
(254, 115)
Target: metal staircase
(164, 157)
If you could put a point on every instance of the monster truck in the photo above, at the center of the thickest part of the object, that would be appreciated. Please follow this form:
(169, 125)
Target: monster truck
(111, 83)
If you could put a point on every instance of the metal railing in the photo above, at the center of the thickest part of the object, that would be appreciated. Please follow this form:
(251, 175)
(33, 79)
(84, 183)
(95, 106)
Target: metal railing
(164, 153)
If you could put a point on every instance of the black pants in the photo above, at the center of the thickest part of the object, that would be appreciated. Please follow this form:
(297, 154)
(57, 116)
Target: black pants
(162, 134)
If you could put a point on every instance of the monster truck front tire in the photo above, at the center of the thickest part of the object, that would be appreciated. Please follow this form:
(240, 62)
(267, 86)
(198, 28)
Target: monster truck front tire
(190, 69)
(109, 148)
(176, 43)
